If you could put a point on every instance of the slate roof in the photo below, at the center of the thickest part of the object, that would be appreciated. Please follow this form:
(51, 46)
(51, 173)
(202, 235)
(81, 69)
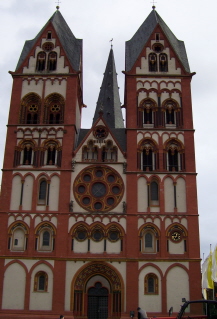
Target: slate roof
(118, 133)
(109, 99)
(71, 45)
(138, 41)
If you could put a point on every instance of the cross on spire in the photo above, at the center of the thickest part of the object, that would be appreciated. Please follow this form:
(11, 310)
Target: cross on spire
(58, 4)
(111, 42)
(153, 4)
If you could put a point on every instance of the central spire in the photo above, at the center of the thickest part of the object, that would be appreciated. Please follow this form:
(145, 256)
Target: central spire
(109, 99)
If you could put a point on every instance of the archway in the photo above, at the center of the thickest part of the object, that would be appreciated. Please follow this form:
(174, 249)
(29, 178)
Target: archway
(97, 292)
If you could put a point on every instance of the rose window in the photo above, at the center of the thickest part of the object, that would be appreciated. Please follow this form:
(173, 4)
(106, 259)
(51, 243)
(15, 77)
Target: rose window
(98, 188)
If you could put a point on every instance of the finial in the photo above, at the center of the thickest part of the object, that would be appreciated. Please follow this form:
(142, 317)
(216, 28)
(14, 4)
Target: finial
(153, 6)
(111, 42)
(58, 2)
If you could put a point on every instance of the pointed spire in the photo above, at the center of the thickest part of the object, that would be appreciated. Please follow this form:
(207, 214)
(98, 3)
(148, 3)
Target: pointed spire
(109, 99)
(135, 46)
(71, 45)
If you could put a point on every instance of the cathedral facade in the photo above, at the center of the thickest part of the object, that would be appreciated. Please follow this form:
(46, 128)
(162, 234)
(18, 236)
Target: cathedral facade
(96, 222)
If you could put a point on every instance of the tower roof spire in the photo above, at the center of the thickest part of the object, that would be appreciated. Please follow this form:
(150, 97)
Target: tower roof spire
(136, 44)
(109, 99)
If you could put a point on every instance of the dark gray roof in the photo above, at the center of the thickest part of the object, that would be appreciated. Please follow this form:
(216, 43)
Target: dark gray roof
(140, 38)
(81, 135)
(118, 133)
(109, 99)
(71, 45)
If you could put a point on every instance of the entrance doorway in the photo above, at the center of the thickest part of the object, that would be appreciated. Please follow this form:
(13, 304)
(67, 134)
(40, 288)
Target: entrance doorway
(97, 302)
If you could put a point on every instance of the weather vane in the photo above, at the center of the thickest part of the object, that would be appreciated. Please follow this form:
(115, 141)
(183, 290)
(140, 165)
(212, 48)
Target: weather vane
(58, 4)
(111, 42)
(153, 4)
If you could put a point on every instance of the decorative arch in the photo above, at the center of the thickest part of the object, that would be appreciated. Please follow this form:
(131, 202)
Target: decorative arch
(54, 109)
(109, 152)
(30, 109)
(174, 155)
(173, 113)
(51, 153)
(97, 269)
(45, 237)
(18, 236)
(147, 154)
(147, 108)
(149, 238)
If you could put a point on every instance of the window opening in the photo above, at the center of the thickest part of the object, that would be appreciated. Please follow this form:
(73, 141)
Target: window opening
(148, 240)
(41, 59)
(46, 238)
(52, 61)
(152, 62)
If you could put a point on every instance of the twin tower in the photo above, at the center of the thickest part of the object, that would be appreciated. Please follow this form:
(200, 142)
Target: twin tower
(96, 222)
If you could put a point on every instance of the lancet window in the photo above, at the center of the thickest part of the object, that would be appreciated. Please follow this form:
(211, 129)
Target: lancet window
(175, 156)
(30, 109)
(54, 109)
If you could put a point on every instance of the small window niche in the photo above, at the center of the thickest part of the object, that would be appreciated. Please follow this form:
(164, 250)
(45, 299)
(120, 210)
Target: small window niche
(157, 37)
(49, 35)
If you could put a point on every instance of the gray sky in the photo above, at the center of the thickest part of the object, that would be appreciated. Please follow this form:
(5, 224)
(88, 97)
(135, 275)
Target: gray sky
(96, 22)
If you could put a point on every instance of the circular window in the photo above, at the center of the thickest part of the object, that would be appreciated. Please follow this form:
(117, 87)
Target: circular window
(111, 178)
(48, 46)
(97, 235)
(33, 108)
(116, 189)
(87, 178)
(81, 189)
(110, 201)
(55, 108)
(98, 188)
(99, 173)
(86, 200)
(113, 235)
(157, 47)
(100, 132)
(81, 235)
(98, 205)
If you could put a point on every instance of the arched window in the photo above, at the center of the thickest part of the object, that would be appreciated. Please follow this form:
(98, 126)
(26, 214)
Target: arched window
(43, 192)
(45, 238)
(151, 284)
(41, 61)
(146, 113)
(172, 113)
(152, 59)
(90, 152)
(52, 61)
(175, 156)
(18, 238)
(51, 153)
(154, 193)
(149, 241)
(109, 152)
(24, 153)
(148, 157)
(54, 109)
(163, 63)
(41, 281)
(30, 109)
(27, 154)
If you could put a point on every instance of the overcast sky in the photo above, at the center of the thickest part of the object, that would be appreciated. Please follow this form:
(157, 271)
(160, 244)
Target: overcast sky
(96, 22)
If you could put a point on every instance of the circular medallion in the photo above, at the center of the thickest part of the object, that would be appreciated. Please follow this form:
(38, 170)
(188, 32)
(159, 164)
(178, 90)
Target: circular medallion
(48, 46)
(98, 188)
(176, 236)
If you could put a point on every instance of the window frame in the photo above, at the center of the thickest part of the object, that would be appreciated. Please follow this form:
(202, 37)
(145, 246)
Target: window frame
(155, 284)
